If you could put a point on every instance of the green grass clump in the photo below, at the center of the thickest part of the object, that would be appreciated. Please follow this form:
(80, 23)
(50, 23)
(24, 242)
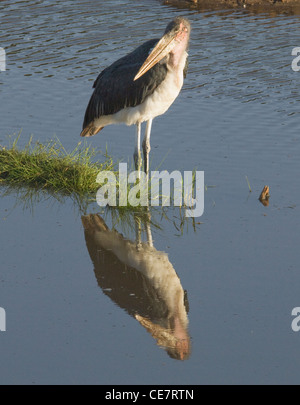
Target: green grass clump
(40, 170)
(51, 167)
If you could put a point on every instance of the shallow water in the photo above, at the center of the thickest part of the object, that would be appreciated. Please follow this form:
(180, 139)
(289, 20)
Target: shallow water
(68, 319)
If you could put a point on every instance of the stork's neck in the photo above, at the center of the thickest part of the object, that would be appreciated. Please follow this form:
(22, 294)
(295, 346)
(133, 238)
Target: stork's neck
(178, 54)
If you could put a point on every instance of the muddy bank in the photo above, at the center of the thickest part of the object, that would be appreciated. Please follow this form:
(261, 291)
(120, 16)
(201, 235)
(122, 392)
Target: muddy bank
(264, 6)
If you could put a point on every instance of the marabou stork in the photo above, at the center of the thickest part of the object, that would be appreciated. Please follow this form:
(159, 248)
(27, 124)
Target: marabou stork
(140, 86)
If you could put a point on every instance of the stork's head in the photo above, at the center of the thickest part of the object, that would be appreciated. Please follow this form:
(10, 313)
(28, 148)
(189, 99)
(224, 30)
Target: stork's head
(174, 42)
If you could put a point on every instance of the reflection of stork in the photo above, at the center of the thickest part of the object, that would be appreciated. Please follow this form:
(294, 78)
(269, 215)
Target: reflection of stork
(141, 280)
(140, 86)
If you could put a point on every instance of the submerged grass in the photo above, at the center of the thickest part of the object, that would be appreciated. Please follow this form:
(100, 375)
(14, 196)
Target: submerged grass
(51, 167)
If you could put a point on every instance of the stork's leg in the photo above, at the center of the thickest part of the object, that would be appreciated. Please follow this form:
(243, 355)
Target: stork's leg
(146, 146)
(138, 232)
(148, 228)
(137, 151)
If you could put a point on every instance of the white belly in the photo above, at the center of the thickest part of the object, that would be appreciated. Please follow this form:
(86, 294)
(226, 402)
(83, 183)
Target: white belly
(154, 105)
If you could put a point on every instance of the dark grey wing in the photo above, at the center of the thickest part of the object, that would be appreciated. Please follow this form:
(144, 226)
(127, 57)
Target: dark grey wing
(115, 88)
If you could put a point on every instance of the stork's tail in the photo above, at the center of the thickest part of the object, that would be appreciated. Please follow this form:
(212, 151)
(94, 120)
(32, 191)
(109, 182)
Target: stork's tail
(90, 130)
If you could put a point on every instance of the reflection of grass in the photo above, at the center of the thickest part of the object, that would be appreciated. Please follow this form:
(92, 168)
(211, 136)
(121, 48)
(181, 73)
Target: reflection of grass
(248, 184)
(125, 221)
(51, 167)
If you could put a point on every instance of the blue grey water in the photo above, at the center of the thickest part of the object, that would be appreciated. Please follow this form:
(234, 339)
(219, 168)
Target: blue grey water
(237, 119)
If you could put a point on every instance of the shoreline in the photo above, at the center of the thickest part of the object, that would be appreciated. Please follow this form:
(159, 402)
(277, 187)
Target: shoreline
(267, 6)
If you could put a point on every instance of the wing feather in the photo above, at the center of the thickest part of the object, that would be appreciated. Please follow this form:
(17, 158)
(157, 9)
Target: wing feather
(115, 89)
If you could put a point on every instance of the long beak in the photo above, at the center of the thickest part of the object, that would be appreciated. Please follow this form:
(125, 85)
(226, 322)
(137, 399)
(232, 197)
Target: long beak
(162, 48)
